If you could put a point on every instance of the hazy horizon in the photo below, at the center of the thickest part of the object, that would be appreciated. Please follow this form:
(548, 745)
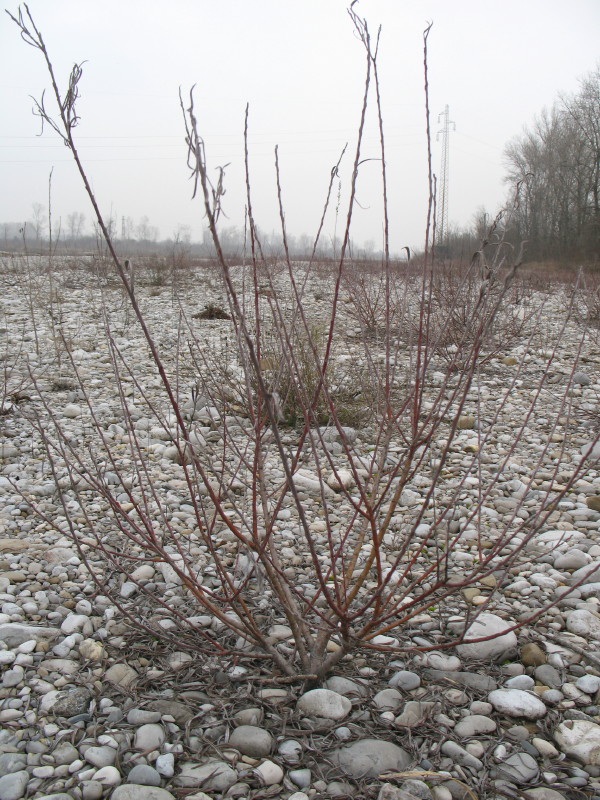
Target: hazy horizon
(301, 69)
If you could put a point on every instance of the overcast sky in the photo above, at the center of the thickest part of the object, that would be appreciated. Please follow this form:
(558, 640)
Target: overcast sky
(299, 65)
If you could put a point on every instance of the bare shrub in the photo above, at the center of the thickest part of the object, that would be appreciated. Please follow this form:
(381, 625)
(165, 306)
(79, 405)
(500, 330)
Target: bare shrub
(378, 516)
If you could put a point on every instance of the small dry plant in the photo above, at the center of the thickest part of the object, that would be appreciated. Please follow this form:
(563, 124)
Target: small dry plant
(377, 513)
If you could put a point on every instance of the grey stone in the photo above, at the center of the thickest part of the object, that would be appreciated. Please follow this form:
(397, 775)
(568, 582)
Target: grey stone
(471, 680)
(406, 680)
(581, 379)
(14, 785)
(324, 703)
(14, 633)
(415, 712)
(139, 716)
(249, 716)
(583, 623)
(149, 737)
(543, 793)
(131, 791)
(104, 756)
(368, 758)
(460, 755)
(416, 788)
(121, 674)
(67, 703)
(215, 776)
(588, 574)
(503, 644)
(57, 796)
(12, 762)
(388, 700)
(345, 686)
(474, 725)
(290, 751)
(165, 765)
(251, 741)
(339, 789)
(181, 712)
(64, 753)
(579, 739)
(589, 684)
(549, 676)
(524, 682)
(300, 777)
(517, 703)
(144, 775)
(520, 768)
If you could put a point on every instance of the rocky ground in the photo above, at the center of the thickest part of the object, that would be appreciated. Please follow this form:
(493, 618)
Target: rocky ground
(91, 707)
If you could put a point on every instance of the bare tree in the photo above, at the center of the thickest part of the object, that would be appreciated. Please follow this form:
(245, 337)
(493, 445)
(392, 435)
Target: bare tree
(556, 160)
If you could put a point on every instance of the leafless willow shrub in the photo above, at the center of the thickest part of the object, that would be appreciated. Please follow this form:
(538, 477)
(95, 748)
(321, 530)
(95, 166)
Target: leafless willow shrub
(376, 298)
(484, 304)
(386, 519)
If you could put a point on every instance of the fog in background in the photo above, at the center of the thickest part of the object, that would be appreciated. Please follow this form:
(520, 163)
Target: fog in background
(301, 68)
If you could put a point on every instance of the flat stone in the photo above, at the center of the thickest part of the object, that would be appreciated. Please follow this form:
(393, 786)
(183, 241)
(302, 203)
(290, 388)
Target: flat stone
(345, 686)
(181, 712)
(415, 712)
(368, 758)
(12, 762)
(519, 768)
(579, 739)
(517, 703)
(548, 676)
(215, 776)
(251, 741)
(14, 633)
(131, 791)
(543, 793)
(324, 703)
(12, 545)
(474, 725)
(471, 680)
(139, 716)
(121, 674)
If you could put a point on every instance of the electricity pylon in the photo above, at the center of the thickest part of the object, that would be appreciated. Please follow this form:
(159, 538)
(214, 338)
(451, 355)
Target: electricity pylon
(442, 202)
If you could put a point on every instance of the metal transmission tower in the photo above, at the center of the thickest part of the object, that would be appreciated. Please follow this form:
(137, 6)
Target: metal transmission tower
(442, 203)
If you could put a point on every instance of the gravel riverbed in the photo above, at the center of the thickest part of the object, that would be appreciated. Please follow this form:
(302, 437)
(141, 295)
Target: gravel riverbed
(92, 707)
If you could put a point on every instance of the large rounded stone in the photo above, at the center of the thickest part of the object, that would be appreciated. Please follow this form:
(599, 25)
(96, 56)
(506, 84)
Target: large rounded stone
(498, 647)
(149, 737)
(251, 741)
(579, 739)
(517, 703)
(324, 703)
(583, 623)
(368, 758)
